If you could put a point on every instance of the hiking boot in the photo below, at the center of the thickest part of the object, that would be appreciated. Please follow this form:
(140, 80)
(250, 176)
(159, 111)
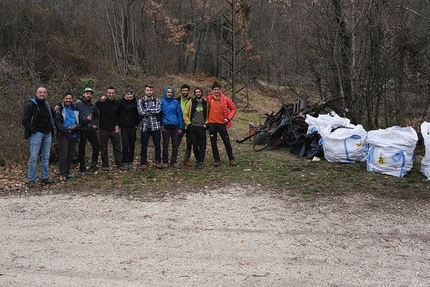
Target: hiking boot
(31, 184)
(62, 178)
(70, 176)
(176, 165)
(105, 168)
(187, 163)
(199, 165)
(233, 162)
(158, 164)
(123, 167)
(46, 181)
(165, 165)
(143, 167)
(84, 172)
(216, 164)
(93, 165)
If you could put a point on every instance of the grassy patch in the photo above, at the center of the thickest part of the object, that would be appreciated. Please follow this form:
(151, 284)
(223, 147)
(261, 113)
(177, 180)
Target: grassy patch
(277, 172)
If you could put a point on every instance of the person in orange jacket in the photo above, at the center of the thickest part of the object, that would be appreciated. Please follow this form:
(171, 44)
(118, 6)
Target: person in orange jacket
(221, 113)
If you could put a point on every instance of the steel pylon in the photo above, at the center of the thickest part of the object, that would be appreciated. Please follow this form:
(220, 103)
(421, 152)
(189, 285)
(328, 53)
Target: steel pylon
(234, 52)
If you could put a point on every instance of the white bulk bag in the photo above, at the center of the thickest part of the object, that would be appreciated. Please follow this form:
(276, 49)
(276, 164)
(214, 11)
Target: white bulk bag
(391, 151)
(345, 144)
(425, 162)
(322, 122)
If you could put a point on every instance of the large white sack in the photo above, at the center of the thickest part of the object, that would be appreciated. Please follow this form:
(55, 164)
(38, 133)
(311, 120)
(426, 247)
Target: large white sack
(324, 121)
(425, 162)
(344, 145)
(391, 150)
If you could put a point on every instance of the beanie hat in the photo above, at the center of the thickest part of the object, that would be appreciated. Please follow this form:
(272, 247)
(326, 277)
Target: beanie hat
(198, 88)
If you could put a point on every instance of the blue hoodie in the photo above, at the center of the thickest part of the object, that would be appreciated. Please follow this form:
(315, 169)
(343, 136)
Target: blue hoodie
(171, 113)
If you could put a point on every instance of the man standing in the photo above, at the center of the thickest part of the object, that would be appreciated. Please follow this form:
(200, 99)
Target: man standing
(66, 120)
(109, 129)
(128, 122)
(88, 131)
(38, 122)
(195, 117)
(221, 112)
(171, 126)
(183, 100)
(149, 109)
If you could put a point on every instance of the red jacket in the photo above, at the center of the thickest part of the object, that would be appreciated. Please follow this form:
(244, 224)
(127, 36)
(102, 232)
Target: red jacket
(228, 107)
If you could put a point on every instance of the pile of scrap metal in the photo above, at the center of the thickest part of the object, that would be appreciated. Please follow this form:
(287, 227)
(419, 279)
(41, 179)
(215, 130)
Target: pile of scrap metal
(288, 129)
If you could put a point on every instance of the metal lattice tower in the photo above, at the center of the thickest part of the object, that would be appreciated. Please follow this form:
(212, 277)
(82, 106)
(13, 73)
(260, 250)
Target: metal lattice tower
(234, 58)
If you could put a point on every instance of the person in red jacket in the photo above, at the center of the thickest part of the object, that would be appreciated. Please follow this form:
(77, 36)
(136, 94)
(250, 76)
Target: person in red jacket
(221, 113)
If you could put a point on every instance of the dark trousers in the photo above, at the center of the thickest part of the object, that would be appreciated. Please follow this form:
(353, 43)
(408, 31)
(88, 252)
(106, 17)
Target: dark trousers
(214, 129)
(188, 143)
(128, 136)
(198, 138)
(91, 136)
(156, 139)
(66, 147)
(115, 139)
(173, 135)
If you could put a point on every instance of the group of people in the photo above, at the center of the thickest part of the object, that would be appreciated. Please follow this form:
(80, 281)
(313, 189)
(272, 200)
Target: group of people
(169, 119)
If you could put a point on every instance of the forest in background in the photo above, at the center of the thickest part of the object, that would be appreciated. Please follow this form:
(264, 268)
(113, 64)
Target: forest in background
(373, 55)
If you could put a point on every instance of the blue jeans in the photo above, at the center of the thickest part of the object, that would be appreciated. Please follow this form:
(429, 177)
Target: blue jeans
(156, 139)
(39, 141)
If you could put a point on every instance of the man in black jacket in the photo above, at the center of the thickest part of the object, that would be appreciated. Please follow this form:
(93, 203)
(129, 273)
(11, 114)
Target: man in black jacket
(128, 122)
(109, 129)
(38, 122)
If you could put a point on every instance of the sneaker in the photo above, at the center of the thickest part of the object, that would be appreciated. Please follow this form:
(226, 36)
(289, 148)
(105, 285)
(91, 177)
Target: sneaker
(176, 165)
(216, 164)
(199, 165)
(233, 162)
(158, 164)
(70, 176)
(31, 183)
(187, 163)
(123, 167)
(143, 167)
(165, 165)
(63, 178)
(46, 181)
(105, 168)
(84, 172)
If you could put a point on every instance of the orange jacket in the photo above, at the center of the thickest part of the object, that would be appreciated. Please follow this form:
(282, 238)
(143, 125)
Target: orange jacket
(228, 107)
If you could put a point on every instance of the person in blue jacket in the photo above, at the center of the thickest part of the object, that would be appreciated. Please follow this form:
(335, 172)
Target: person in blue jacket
(171, 125)
(67, 121)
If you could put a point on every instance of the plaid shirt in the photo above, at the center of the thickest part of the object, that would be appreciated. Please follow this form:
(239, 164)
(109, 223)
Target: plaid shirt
(149, 110)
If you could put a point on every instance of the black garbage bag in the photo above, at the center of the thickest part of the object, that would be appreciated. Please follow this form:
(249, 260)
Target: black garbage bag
(314, 148)
(297, 143)
(307, 145)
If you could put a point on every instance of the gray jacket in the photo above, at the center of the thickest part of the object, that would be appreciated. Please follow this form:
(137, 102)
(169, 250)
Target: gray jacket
(84, 111)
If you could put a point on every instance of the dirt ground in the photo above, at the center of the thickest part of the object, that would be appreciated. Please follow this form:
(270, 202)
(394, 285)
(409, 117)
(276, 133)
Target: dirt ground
(238, 236)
